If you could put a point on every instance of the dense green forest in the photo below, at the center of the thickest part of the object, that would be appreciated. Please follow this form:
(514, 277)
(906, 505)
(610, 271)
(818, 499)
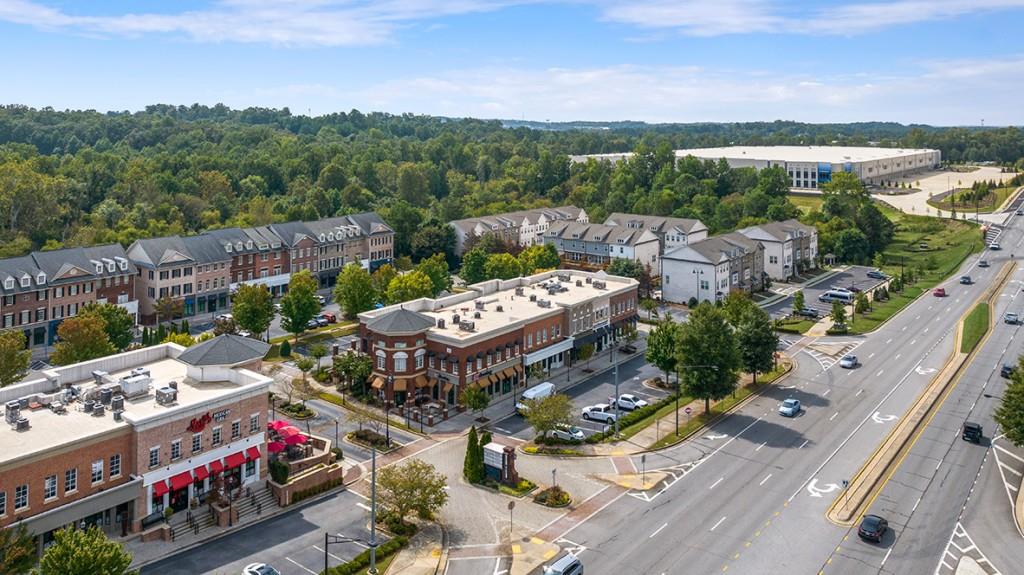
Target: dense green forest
(83, 177)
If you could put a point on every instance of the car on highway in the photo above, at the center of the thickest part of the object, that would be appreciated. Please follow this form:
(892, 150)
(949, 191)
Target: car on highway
(1011, 318)
(567, 433)
(1007, 370)
(599, 412)
(807, 312)
(972, 432)
(939, 292)
(789, 407)
(872, 528)
(1020, 212)
(259, 569)
(994, 246)
(966, 280)
(876, 275)
(983, 263)
(849, 362)
(629, 402)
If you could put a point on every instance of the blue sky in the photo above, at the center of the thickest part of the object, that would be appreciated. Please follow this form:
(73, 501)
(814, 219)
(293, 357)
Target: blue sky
(943, 62)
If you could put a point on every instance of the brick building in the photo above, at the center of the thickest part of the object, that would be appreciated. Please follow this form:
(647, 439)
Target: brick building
(114, 441)
(493, 335)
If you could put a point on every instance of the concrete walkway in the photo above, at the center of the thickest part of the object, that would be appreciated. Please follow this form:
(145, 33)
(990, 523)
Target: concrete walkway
(424, 553)
(934, 183)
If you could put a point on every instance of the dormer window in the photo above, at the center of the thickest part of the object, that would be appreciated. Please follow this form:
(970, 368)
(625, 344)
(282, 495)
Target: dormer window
(575, 236)
(264, 247)
(25, 281)
(99, 267)
(323, 238)
(111, 267)
(597, 238)
(248, 245)
(227, 248)
(41, 278)
(275, 245)
(123, 264)
(9, 283)
(238, 246)
(330, 236)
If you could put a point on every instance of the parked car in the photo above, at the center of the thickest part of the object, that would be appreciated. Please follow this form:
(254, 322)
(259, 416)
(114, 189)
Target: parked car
(849, 362)
(876, 274)
(259, 569)
(983, 263)
(567, 433)
(330, 317)
(245, 333)
(939, 292)
(1011, 318)
(790, 407)
(321, 299)
(321, 321)
(599, 412)
(966, 280)
(629, 402)
(568, 564)
(853, 289)
(994, 246)
(807, 312)
(539, 391)
(312, 324)
(1020, 212)
(972, 432)
(872, 528)
(1007, 370)
(628, 348)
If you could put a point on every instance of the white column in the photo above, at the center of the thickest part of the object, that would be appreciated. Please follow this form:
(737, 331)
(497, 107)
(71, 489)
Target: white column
(149, 500)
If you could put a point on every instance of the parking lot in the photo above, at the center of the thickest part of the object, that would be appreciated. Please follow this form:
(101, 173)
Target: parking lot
(854, 278)
(598, 389)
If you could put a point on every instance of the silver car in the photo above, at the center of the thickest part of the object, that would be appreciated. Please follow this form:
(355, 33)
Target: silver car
(789, 408)
(848, 362)
(567, 433)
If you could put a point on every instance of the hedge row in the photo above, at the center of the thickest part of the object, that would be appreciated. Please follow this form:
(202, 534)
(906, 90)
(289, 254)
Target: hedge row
(632, 417)
(316, 489)
(362, 561)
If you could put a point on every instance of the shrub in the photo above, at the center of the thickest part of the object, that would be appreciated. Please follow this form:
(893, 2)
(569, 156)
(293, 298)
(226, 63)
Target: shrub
(397, 526)
(553, 496)
(362, 561)
(550, 440)
(370, 437)
(278, 472)
(692, 303)
(286, 349)
(338, 455)
(315, 490)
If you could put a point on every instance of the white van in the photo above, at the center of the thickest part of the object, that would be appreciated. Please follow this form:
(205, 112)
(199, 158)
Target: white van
(539, 391)
(836, 295)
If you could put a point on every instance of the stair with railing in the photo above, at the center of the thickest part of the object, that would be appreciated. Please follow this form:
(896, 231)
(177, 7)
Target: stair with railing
(186, 526)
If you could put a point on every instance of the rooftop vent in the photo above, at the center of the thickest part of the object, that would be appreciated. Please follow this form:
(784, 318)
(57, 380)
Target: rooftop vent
(544, 303)
(476, 315)
(455, 319)
(88, 406)
(117, 414)
(564, 277)
(479, 304)
(590, 280)
(467, 326)
(533, 297)
(579, 283)
(105, 394)
(21, 424)
(100, 377)
(166, 395)
(97, 410)
(499, 309)
(12, 411)
(440, 323)
(519, 291)
(173, 384)
(599, 285)
(117, 403)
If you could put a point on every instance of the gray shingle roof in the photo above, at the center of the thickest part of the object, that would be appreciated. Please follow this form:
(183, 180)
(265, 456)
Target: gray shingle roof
(716, 249)
(226, 349)
(601, 233)
(64, 265)
(657, 224)
(400, 320)
(514, 219)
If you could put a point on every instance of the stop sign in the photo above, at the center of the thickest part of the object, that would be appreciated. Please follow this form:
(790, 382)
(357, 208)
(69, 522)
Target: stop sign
(688, 411)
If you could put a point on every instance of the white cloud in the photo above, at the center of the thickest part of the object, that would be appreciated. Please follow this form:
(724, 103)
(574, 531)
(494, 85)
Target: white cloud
(937, 92)
(698, 17)
(872, 16)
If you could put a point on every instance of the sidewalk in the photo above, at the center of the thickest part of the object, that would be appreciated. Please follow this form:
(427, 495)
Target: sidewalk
(424, 553)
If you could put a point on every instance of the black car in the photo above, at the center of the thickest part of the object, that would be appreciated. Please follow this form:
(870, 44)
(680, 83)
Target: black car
(1007, 370)
(876, 274)
(872, 528)
(972, 432)
(983, 264)
(807, 312)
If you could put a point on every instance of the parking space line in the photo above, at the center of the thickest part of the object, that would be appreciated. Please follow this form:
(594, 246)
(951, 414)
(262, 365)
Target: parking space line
(329, 554)
(301, 566)
(713, 485)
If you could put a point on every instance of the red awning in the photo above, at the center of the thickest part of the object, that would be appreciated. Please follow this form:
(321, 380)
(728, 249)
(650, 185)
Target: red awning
(252, 453)
(159, 488)
(216, 467)
(234, 460)
(181, 480)
(201, 473)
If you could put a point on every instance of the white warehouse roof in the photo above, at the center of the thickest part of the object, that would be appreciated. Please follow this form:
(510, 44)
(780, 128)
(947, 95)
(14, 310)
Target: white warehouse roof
(830, 154)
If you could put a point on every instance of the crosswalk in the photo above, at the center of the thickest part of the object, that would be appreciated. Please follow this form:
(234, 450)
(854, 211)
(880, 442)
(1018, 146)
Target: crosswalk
(959, 547)
(1011, 466)
(829, 354)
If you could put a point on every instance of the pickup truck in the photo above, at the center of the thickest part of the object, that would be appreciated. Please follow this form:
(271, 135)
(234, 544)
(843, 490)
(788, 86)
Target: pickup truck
(600, 412)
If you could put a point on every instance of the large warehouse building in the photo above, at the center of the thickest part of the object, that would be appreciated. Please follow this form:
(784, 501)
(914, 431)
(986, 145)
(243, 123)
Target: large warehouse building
(810, 166)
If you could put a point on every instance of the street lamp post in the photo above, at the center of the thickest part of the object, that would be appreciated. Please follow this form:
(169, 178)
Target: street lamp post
(330, 539)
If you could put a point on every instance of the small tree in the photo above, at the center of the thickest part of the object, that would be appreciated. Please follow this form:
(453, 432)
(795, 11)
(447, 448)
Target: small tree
(838, 312)
(286, 349)
(757, 341)
(707, 339)
(14, 358)
(661, 346)
(299, 305)
(548, 413)
(17, 550)
(414, 486)
(168, 308)
(81, 338)
(474, 398)
(318, 351)
(84, 552)
(878, 261)
(649, 306)
(300, 386)
(473, 465)
(798, 300)
(223, 325)
(584, 353)
(253, 308)
(182, 339)
(861, 304)
(117, 322)
(354, 291)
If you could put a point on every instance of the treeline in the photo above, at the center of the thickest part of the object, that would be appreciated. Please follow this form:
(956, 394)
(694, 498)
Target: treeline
(82, 177)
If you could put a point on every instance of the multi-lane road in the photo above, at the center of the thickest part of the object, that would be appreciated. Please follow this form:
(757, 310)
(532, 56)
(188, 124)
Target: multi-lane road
(754, 498)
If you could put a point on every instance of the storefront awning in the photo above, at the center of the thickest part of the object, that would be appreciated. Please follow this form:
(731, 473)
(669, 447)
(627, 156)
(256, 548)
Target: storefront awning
(181, 480)
(378, 383)
(421, 381)
(508, 372)
(216, 467)
(160, 488)
(234, 460)
(399, 385)
(253, 453)
(447, 387)
(201, 473)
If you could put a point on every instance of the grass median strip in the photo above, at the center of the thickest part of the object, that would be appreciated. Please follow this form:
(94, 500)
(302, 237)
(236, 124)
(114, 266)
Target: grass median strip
(975, 326)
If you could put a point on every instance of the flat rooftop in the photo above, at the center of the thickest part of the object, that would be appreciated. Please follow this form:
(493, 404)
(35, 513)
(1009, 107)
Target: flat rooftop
(49, 430)
(830, 154)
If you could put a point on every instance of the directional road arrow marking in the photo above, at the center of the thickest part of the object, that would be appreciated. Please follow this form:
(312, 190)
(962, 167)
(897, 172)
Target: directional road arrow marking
(816, 491)
(712, 436)
(879, 418)
(925, 370)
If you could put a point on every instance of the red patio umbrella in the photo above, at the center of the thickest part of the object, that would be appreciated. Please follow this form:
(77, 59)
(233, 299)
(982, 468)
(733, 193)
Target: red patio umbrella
(278, 424)
(275, 447)
(296, 439)
(288, 431)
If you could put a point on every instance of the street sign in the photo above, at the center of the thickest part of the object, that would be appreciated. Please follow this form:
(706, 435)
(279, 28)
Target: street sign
(688, 411)
(511, 505)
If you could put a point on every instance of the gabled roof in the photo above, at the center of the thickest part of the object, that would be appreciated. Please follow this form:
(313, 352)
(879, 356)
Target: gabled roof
(715, 250)
(600, 233)
(400, 321)
(657, 224)
(778, 231)
(65, 265)
(518, 218)
(226, 350)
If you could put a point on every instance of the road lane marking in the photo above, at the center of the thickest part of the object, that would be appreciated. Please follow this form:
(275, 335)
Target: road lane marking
(363, 506)
(715, 526)
(826, 392)
(898, 355)
(656, 531)
(833, 416)
(888, 341)
(858, 393)
(880, 372)
(886, 558)
(300, 566)
(767, 477)
(915, 505)
(913, 341)
(871, 356)
(715, 484)
(760, 446)
(802, 445)
(329, 554)
(505, 431)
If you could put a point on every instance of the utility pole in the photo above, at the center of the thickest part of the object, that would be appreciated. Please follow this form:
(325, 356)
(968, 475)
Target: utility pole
(373, 511)
(615, 369)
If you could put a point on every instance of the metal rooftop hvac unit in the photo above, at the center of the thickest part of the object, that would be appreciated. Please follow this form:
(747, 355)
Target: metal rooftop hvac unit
(135, 385)
(166, 395)
(440, 323)
(476, 315)
(479, 304)
(105, 394)
(599, 285)
(544, 303)
(141, 371)
(467, 326)
(100, 377)
(12, 411)
(499, 309)
(117, 403)
(455, 320)
(117, 414)
(88, 406)
(97, 410)
(533, 297)
(564, 277)
(519, 291)
(590, 279)
(21, 424)
(579, 283)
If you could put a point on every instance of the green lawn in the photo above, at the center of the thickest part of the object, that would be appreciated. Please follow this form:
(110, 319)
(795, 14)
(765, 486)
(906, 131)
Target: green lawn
(806, 204)
(795, 325)
(949, 243)
(975, 326)
(989, 204)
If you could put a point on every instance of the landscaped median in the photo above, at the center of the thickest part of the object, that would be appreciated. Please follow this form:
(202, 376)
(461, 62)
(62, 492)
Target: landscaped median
(975, 325)
(882, 464)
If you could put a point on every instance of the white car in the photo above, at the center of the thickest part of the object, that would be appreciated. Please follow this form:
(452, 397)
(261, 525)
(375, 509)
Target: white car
(600, 412)
(849, 362)
(245, 333)
(789, 408)
(629, 402)
(259, 569)
(567, 433)
(994, 246)
(321, 299)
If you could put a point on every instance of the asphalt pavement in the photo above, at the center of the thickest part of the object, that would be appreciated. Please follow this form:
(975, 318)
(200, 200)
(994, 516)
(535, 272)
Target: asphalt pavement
(853, 278)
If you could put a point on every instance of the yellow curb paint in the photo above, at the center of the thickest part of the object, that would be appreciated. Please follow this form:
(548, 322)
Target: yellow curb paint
(536, 540)
(517, 549)
(549, 554)
(435, 552)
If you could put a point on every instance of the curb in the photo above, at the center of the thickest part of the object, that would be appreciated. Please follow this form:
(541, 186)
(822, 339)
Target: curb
(901, 447)
(442, 559)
